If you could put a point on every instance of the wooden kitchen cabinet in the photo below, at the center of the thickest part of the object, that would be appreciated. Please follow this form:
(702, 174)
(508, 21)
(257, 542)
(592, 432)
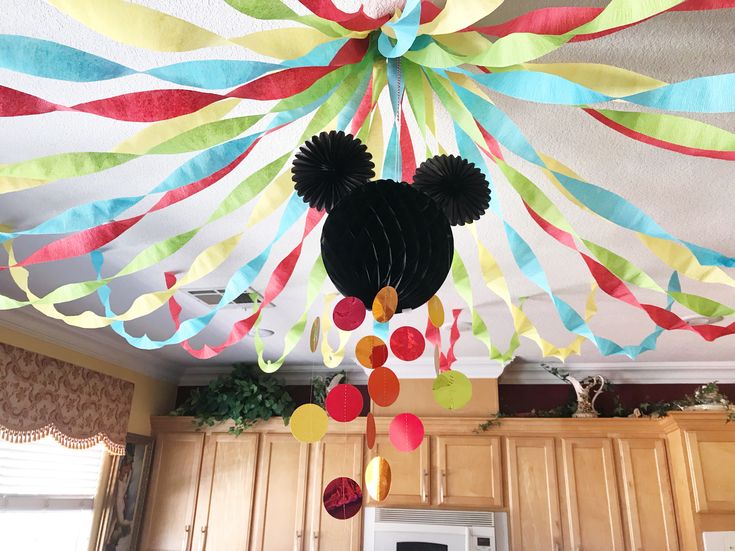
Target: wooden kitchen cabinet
(410, 473)
(468, 472)
(334, 456)
(280, 495)
(713, 485)
(174, 482)
(590, 502)
(225, 502)
(646, 497)
(533, 494)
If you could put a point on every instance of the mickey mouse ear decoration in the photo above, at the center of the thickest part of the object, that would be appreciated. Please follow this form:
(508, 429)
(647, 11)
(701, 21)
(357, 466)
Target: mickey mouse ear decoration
(456, 185)
(330, 166)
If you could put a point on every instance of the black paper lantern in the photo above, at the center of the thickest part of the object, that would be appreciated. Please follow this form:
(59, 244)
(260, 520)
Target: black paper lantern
(458, 187)
(387, 233)
(330, 166)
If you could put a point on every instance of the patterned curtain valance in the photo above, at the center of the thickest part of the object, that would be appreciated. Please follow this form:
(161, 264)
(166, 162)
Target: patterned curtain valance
(40, 396)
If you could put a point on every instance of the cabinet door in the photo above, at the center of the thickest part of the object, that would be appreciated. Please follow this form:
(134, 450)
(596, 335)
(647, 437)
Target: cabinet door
(711, 456)
(468, 471)
(226, 488)
(590, 498)
(409, 473)
(533, 494)
(169, 511)
(646, 494)
(280, 496)
(334, 456)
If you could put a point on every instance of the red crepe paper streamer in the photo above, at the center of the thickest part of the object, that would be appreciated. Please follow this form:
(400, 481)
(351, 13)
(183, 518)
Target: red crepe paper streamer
(363, 110)
(278, 280)
(357, 21)
(616, 288)
(696, 152)
(408, 158)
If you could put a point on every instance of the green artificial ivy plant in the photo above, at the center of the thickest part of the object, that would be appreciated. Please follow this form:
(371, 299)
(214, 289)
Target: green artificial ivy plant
(246, 395)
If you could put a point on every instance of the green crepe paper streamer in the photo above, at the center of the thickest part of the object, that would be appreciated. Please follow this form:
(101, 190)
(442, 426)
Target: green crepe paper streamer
(618, 265)
(532, 195)
(461, 280)
(701, 305)
(517, 48)
(454, 106)
(65, 165)
(206, 135)
(315, 91)
(339, 98)
(674, 129)
(317, 276)
(157, 252)
(415, 91)
(275, 9)
(622, 268)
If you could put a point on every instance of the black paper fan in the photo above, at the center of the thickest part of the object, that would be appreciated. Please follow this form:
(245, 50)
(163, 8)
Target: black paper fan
(387, 233)
(456, 185)
(330, 166)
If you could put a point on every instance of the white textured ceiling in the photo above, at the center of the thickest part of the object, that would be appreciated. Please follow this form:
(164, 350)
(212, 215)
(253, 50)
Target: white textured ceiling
(691, 197)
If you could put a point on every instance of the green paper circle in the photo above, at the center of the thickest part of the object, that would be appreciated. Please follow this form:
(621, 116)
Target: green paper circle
(452, 390)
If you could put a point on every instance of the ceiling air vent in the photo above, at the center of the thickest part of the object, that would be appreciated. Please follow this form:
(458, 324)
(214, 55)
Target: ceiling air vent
(212, 297)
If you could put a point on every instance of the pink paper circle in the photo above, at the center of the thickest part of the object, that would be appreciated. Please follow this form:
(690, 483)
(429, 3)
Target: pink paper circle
(344, 403)
(406, 432)
(349, 313)
(407, 343)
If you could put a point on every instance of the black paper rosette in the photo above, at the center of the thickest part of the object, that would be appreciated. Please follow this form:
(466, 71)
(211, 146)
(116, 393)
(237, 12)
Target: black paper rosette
(330, 166)
(387, 233)
(456, 185)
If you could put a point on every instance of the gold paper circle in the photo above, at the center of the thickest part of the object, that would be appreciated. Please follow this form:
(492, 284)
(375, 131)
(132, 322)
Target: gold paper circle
(308, 423)
(436, 311)
(385, 304)
(378, 478)
(314, 337)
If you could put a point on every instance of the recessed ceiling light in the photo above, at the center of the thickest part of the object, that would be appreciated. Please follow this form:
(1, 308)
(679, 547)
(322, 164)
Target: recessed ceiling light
(264, 333)
(702, 320)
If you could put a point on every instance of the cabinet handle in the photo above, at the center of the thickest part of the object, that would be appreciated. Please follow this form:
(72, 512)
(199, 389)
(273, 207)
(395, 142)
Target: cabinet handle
(557, 547)
(203, 540)
(187, 542)
(315, 537)
(298, 541)
(424, 484)
(441, 486)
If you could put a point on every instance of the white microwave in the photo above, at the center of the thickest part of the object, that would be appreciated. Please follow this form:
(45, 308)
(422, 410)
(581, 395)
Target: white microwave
(434, 530)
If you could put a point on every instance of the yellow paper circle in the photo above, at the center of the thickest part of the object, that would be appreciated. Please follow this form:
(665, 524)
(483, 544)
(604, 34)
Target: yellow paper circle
(308, 423)
(385, 304)
(378, 478)
(314, 337)
(452, 389)
(436, 311)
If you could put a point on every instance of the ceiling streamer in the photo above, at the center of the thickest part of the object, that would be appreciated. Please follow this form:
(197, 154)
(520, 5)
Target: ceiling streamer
(329, 69)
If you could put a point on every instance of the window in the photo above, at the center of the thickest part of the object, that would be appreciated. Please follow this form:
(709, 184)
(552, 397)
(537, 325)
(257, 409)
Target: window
(47, 495)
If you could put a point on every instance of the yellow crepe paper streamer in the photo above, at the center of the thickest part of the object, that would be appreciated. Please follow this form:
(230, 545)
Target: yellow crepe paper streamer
(458, 15)
(375, 141)
(160, 132)
(317, 277)
(137, 25)
(332, 358)
(496, 282)
(283, 43)
(205, 263)
(271, 198)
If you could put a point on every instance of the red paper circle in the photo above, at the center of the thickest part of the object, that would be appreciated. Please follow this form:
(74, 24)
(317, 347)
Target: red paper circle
(349, 313)
(371, 352)
(342, 498)
(370, 432)
(406, 432)
(344, 403)
(407, 343)
(383, 386)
